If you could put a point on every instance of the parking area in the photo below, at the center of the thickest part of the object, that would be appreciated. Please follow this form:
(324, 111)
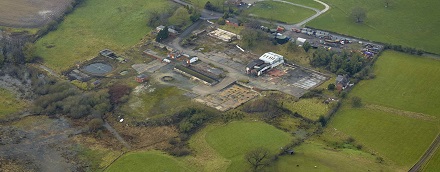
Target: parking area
(332, 41)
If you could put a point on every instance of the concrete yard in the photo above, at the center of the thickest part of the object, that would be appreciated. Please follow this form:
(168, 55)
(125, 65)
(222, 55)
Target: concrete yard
(293, 80)
(229, 97)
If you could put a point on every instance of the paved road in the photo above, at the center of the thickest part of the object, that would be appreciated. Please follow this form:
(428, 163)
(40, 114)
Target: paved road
(208, 15)
(428, 154)
(301, 24)
(327, 7)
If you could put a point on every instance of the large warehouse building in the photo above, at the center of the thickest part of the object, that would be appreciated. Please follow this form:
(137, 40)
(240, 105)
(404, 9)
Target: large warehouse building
(267, 61)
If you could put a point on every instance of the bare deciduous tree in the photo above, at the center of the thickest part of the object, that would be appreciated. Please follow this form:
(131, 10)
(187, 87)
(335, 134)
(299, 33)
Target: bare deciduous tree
(258, 158)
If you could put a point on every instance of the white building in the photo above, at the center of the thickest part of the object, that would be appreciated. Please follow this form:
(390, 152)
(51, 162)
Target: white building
(267, 61)
(300, 41)
(272, 58)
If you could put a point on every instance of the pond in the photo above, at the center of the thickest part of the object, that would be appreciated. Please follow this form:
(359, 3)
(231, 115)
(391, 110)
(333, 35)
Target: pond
(98, 68)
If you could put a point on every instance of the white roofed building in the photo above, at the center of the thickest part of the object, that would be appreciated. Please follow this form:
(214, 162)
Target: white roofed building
(266, 62)
(272, 58)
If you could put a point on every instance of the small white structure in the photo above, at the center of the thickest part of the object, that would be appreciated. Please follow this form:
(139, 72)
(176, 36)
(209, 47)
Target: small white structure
(166, 60)
(272, 58)
(193, 60)
(300, 41)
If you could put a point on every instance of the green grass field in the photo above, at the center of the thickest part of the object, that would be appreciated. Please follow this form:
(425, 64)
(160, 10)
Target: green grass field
(403, 82)
(96, 25)
(9, 104)
(311, 108)
(400, 118)
(404, 22)
(155, 101)
(394, 137)
(311, 154)
(226, 145)
(433, 165)
(279, 11)
(309, 3)
(147, 161)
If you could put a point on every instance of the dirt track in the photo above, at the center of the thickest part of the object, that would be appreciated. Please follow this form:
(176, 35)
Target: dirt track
(30, 13)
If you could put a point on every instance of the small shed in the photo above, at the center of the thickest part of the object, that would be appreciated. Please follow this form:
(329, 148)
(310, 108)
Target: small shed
(141, 78)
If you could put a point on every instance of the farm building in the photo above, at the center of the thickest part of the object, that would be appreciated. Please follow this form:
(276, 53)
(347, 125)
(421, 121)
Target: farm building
(267, 61)
(232, 22)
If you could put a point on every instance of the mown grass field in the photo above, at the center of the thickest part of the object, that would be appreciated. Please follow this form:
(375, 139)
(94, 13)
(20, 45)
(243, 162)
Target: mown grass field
(394, 137)
(311, 108)
(399, 118)
(96, 25)
(309, 3)
(311, 154)
(404, 22)
(147, 161)
(279, 11)
(9, 104)
(222, 147)
(155, 101)
(235, 139)
(403, 82)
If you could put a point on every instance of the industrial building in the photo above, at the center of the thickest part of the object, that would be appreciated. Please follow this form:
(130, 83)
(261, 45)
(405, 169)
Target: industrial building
(267, 61)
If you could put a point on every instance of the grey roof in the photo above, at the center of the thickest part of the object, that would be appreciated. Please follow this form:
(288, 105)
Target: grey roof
(340, 78)
(254, 63)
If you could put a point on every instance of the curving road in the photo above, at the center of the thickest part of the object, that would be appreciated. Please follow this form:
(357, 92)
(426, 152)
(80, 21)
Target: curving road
(300, 24)
(209, 15)
(327, 7)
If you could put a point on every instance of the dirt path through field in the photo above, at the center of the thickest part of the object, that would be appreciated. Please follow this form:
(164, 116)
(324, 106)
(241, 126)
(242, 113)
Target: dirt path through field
(409, 114)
